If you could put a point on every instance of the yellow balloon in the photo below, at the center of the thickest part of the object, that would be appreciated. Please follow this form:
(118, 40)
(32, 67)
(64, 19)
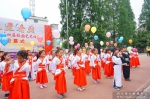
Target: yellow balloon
(83, 50)
(40, 49)
(93, 29)
(22, 48)
(32, 43)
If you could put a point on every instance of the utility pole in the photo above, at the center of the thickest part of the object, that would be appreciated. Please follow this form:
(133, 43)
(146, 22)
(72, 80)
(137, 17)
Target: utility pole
(67, 22)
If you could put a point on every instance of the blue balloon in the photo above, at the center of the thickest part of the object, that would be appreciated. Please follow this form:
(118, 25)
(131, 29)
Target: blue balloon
(48, 42)
(4, 40)
(121, 38)
(26, 13)
(95, 37)
(3, 35)
(58, 41)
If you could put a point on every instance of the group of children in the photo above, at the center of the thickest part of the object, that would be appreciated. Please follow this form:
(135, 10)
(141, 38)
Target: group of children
(16, 73)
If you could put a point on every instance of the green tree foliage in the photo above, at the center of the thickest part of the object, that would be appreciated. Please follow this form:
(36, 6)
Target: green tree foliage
(115, 16)
(144, 26)
(143, 39)
(144, 18)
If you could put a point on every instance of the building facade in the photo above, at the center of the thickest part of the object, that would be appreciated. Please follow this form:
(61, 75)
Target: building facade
(39, 20)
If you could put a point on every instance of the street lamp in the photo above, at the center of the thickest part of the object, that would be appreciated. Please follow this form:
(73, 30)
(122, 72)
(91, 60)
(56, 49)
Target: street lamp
(67, 22)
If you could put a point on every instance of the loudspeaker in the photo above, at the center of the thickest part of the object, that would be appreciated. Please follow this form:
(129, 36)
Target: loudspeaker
(97, 45)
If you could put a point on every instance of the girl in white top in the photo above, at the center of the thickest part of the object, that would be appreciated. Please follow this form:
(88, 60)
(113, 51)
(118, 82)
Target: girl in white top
(6, 67)
(40, 67)
(49, 60)
(117, 69)
(19, 82)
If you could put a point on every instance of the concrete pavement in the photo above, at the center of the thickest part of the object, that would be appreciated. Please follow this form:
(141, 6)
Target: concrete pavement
(139, 76)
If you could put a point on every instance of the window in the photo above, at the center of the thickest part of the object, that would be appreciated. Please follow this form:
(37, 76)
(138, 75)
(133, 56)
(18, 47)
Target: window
(35, 20)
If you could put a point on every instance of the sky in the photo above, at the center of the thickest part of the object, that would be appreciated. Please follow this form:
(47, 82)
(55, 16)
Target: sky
(12, 9)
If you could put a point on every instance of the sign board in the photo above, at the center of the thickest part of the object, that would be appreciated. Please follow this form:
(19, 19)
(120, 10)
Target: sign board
(20, 34)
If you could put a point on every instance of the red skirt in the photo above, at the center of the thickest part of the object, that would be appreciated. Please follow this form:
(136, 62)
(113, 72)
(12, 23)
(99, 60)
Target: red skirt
(87, 67)
(6, 81)
(132, 61)
(80, 77)
(102, 64)
(41, 77)
(109, 71)
(19, 89)
(96, 72)
(60, 84)
(73, 71)
(0, 78)
(137, 61)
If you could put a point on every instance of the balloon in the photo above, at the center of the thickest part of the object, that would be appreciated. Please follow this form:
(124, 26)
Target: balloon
(101, 43)
(56, 34)
(32, 43)
(93, 29)
(4, 40)
(58, 41)
(111, 42)
(108, 34)
(22, 48)
(60, 44)
(26, 13)
(78, 45)
(48, 42)
(129, 49)
(121, 38)
(40, 38)
(84, 50)
(120, 41)
(87, 28)
(66, 50)
(75, 47)
(134, 49)
(95, 37)
(3, 35)
(71, 38)
(91, 43)
(107, 43)
(86, 44)
(130, 41)
(115, 44)
(71, 42)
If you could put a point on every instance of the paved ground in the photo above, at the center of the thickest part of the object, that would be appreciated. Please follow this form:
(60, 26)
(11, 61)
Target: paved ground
(139, 76)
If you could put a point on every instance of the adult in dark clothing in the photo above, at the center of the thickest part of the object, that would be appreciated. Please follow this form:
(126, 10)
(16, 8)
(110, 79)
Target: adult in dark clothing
(125, 57)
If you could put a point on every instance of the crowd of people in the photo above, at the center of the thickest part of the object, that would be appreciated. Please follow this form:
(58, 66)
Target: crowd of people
(16, 74)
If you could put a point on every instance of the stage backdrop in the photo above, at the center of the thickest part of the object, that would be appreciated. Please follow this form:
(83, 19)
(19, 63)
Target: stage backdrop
(20, 35)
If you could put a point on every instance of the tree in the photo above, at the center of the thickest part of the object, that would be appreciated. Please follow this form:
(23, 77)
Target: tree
(143, 38)
(126, 24)
(144, 18)
(144, 23)
(115, 16)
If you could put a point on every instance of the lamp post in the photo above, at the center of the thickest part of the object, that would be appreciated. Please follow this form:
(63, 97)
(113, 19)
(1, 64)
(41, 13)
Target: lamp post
(67, 22)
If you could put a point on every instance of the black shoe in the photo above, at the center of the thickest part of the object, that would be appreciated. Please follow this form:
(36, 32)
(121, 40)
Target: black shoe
(6, 96)
(64, 96)
(127, 79)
